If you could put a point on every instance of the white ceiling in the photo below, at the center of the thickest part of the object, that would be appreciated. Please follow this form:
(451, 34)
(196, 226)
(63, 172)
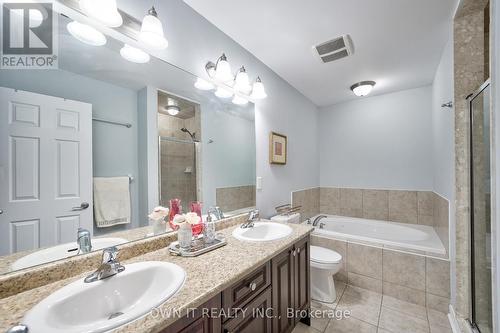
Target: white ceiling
(398, 43)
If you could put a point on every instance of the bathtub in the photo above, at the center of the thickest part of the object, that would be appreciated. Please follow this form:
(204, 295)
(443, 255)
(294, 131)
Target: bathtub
(401, 236)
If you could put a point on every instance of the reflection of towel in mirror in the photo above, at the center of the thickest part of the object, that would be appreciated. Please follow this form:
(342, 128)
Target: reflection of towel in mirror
(111, 201)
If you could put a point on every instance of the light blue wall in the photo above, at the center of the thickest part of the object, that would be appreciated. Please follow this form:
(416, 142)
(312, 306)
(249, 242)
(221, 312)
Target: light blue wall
(380, 142)
(114, 147)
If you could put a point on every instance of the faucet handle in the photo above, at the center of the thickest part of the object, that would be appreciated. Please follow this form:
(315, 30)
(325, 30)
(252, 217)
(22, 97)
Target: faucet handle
(253, 215)
(109, 255)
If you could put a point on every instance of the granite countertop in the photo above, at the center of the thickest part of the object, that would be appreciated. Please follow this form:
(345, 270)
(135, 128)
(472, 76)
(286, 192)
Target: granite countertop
(207, 275)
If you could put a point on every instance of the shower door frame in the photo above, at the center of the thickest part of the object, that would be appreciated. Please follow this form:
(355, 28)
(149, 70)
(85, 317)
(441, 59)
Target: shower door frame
(470, 99)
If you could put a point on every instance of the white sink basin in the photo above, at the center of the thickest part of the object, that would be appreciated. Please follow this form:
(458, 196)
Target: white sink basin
(106, 304)
(61, 252)
(262, 232)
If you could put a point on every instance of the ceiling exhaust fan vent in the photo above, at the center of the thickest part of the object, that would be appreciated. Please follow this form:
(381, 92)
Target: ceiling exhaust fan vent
(335, 49)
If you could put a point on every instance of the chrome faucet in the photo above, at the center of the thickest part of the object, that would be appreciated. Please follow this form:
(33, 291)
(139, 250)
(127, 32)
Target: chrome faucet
(217, 212)
(110, 266)
(84, 241)
(317, 219)
(253, 216)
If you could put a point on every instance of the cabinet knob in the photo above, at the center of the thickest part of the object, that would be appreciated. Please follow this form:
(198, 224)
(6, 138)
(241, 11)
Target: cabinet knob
(253, 286)
(1, 211)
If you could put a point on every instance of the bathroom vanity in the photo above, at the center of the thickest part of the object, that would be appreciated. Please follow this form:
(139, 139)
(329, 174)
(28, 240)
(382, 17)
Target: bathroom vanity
(243, 275)
(281, 284)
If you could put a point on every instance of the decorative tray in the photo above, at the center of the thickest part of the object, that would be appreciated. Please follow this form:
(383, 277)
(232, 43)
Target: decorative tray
(198, 247)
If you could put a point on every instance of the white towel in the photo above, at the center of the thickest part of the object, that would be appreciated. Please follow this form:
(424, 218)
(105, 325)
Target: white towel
(111, 201)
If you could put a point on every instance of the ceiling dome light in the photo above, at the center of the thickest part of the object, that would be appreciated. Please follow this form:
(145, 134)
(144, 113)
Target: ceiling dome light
(362, 88)
(223, 69)
(258, 90)
(173, 110)
(242, 81)
(203, 84)
(86, 34)
(104, 11)
(151, 33)
(223, 93)
(134, 54)
(239, 100)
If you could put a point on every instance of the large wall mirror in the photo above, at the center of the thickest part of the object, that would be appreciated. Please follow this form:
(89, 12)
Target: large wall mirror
(100, 142)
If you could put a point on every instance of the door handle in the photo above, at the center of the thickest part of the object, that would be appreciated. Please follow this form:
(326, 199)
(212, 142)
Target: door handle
(83, 206)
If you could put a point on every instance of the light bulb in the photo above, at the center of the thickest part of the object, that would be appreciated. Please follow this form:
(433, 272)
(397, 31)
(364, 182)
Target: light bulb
(240, 100)
(151, 34)
(86, 34)
(203, 84)
(223, 93)
(173, 110)
(223, 70)
(242, 81)
(134, 54)
(104, 11)
(258, 90)
(362, 88)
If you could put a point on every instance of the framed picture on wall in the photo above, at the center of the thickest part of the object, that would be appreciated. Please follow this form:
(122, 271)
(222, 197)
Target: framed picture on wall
(277, 148)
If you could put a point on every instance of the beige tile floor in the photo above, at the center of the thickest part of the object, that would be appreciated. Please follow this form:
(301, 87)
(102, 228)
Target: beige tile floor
(372, 312)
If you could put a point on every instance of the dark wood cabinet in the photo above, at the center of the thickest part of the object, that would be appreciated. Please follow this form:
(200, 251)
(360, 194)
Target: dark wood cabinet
(267, 300)
(197, 321)
(291, 286)
(283, 291)
(255, 317)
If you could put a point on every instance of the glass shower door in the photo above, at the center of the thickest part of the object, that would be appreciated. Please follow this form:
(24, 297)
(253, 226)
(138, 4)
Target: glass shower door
(481, 306)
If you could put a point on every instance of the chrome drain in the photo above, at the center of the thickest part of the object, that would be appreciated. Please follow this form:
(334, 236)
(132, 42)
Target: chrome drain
(114, 315)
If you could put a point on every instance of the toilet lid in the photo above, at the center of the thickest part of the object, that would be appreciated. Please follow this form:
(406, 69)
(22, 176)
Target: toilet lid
(325, 256)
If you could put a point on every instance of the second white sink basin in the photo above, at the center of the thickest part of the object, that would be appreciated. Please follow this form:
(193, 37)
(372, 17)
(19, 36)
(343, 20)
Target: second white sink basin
(262, 232)
(61, 252)
(106, 304)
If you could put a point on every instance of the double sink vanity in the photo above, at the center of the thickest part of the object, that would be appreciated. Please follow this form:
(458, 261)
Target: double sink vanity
(249, 285)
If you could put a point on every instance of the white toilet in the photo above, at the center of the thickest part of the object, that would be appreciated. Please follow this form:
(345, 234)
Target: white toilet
(324, 264)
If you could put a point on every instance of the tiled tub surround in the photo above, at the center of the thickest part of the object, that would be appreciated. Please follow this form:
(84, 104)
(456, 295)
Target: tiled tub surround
(234, 198)
(415, 207)
(30, 278)
(408, 277)
(207, 275)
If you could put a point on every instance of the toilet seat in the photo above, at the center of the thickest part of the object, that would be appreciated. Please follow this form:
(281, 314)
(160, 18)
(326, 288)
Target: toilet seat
(321, 255)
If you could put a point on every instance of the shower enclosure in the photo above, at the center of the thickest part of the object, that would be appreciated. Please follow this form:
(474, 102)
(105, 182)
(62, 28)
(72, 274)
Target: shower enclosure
(480, 228)
(178, 174)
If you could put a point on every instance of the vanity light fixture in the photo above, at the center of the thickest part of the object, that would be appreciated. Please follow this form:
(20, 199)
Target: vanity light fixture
(238, 100)
(134, 54)
(258, 90)
(151, 34)
(242, 81)
(223, 69)
(86, 34)
(104, 11)
(204, 84)
(223, 93)
(362, 88)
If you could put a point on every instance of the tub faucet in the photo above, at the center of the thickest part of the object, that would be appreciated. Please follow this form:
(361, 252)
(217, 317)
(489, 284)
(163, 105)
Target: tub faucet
(317, 219)
(110, 266)
(84, 240)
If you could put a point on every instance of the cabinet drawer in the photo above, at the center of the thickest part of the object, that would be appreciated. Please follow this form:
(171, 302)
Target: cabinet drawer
(255, 317)
(238, 295)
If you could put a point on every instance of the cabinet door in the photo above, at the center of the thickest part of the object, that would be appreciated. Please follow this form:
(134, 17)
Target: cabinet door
(254, 318)
(302, 275)
(283, 291)
(197, 322)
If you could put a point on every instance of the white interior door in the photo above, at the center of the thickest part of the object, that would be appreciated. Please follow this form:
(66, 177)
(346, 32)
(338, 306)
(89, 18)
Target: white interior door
(45, 170)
